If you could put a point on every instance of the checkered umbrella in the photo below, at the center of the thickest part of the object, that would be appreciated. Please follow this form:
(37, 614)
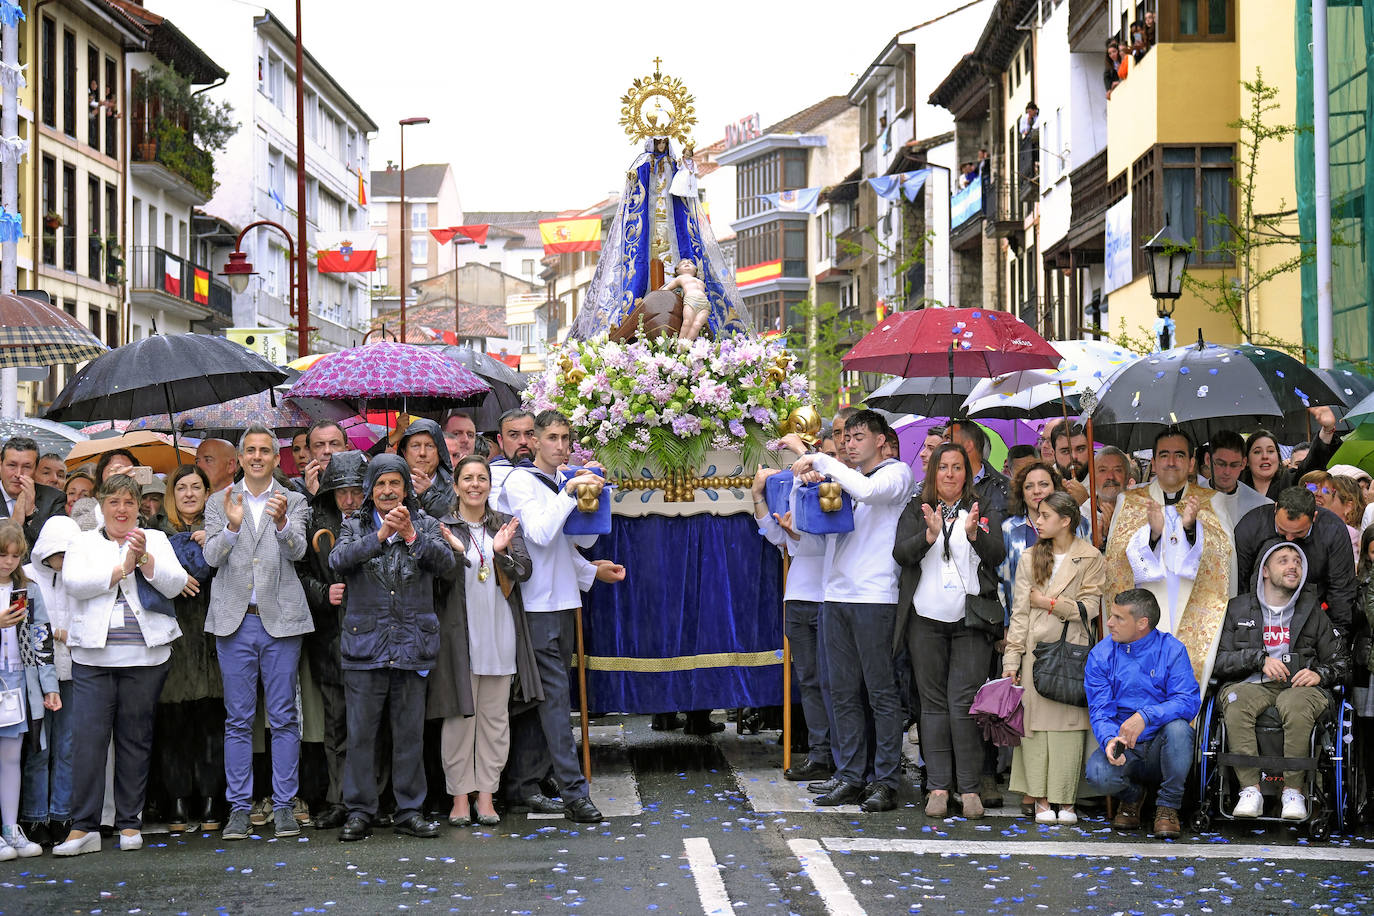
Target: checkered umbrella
(33, 333)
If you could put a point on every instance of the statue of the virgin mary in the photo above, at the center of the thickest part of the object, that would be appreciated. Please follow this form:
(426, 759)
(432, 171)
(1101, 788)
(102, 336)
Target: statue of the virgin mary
(659, 219)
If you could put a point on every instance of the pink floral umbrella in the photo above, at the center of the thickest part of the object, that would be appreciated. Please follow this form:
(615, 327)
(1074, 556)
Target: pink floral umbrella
(393, 376)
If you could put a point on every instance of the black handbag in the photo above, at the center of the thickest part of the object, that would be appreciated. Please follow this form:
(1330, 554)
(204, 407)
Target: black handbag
(984, 614)
(1058, 670)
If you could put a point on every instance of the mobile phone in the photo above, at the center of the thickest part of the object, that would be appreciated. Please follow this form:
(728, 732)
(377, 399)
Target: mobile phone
(19, 597)
(141, 474)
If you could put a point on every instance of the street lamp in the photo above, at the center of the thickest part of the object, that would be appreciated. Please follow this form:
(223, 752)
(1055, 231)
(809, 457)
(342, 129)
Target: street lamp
(1166, 257)
(405, 122)
(239, 269)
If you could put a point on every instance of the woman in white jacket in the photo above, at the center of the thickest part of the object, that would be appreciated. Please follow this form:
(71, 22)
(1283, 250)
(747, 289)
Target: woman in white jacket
(120, 581)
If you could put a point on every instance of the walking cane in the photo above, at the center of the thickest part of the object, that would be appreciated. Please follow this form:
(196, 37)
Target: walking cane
(786, 672)
(582, 700)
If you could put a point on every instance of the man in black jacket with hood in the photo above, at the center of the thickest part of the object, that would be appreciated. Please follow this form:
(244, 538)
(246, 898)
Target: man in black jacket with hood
(339, 495)
(431, 467)
(1280, 648)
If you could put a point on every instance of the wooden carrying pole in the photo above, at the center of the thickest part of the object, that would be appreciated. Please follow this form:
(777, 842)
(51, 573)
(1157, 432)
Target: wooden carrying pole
(786, 672)
(582, 700)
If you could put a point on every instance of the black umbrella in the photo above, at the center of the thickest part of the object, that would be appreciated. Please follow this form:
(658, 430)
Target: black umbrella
(506, 384)
(925, 397)
(163, 374)
(1205, 388)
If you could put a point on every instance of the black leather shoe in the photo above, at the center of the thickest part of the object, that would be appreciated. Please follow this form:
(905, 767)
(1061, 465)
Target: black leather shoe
(209, 818)
(354, 829)
(665, 722)
(878, 797)
(415, 825)
(807, 772)
(39, 832)
(825, 785)
(331, 818)
(542, 804)
(582, 811)
(180, 817)
(846, 793)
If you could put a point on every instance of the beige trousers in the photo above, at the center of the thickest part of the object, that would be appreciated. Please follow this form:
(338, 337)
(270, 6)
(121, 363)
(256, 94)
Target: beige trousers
(474, 748)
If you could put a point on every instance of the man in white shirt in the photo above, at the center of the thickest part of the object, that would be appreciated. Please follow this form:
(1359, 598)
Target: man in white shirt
(254, 533)
(551, 596)
(860, 611)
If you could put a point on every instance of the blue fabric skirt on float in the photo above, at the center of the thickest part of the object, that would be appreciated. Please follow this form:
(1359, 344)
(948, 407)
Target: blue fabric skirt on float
(697, 623)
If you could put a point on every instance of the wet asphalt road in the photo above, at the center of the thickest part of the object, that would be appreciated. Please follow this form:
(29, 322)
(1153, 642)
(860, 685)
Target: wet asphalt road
(701, 844)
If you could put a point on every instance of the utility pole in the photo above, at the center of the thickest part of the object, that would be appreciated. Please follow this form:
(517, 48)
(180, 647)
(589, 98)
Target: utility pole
(1321, 140)
(9, 255)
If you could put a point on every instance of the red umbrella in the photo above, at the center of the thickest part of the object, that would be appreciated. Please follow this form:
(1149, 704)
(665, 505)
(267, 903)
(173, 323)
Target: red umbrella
(929, 342)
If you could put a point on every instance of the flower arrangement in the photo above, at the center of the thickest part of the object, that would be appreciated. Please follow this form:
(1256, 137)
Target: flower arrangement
(668, 402)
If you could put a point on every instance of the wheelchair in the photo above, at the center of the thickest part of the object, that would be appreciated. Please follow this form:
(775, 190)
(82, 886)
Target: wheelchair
(1330, 763)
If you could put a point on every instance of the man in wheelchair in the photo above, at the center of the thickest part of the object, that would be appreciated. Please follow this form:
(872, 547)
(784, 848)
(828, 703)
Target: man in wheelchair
(1279, 649)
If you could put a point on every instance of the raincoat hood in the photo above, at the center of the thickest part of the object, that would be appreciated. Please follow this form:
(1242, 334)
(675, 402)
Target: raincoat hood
(433, 430)
(1259, 576)
(383, 464)
(55, 537)
(346, 469)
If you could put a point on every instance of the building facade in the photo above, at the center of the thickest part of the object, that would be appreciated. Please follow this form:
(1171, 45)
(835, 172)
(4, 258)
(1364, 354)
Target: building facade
(431, 203)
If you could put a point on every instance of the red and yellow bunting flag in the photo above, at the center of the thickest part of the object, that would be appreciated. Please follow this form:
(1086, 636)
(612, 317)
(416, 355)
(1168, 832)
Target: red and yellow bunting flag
(758, 273)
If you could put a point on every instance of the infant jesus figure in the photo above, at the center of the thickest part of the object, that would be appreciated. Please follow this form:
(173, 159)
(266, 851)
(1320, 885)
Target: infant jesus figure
(696, 308)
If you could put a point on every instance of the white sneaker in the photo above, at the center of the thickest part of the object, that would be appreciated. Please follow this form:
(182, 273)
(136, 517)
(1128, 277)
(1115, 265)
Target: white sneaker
(1067, 817)
(83, 844)
(1294, 805)
(1251, 803)
(7, 852)
(128, 842)
(15, 839)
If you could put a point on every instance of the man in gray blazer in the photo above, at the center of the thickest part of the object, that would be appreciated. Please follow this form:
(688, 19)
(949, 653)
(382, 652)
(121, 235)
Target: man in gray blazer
(254, 534)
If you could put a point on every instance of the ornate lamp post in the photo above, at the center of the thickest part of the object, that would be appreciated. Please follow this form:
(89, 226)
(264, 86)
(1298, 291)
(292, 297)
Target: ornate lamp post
(1166, 257)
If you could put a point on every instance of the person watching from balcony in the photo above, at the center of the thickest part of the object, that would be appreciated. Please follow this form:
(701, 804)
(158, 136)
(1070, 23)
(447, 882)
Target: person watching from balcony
(1030, 120)
(1139, 44)
(1111, 77)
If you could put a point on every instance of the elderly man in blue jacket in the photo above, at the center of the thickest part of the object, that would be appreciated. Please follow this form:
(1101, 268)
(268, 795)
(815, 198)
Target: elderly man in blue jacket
(1142, 697)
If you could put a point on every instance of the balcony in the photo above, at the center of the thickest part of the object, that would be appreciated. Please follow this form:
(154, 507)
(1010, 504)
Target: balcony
(1002, 211)
(1028, 165)
(162, 280)
(164, 157)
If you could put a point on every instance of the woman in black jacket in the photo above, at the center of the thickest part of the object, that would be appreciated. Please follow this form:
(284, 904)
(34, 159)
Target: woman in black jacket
(949, 548)
(483, 643)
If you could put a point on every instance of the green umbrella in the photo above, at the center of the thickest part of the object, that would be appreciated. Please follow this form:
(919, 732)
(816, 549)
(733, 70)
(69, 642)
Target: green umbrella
(1357, 448)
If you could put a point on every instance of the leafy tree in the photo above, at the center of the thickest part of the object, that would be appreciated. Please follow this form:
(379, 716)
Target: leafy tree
(819, 340)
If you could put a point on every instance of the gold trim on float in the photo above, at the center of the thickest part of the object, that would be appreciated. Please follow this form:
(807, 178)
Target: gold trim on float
(684, 662)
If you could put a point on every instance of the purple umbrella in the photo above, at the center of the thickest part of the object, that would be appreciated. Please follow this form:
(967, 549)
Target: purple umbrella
(287, 417)
(392, 376)
(912, 434)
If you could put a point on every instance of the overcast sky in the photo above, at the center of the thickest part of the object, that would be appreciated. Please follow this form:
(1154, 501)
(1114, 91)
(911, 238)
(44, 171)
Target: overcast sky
(524, 95)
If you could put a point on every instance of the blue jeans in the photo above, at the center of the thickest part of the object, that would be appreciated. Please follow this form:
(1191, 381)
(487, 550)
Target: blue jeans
(249, 656)
(1165, 760)
(47, 788)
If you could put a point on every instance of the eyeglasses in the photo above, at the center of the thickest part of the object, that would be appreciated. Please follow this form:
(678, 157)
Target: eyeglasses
(1316, 488)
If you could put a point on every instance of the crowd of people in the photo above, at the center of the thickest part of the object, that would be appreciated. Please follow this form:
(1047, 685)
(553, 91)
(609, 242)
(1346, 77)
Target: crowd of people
(232, 649)
(1221, 565)
(228, 648)
(1124, 52)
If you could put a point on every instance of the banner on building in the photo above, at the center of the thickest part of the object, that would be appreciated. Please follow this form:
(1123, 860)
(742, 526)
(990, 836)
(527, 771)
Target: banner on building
(171, 275)
(906, 184)
(564, 235)
(346, 252)
(758, 273)
(1117, 246)
(200, 285)
(269, 343)
(799, 200)
(967, 203)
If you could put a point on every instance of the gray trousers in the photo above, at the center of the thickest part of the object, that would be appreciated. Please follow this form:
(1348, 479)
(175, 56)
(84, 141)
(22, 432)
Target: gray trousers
(950, 662)
(803, 620)
(553, 638)
(858, 643)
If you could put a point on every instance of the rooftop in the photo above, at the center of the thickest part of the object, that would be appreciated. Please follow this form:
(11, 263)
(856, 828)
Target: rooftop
(421, 181)
(473, 321)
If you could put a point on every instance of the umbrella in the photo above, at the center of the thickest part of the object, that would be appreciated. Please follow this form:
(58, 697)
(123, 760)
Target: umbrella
(51, 437)
(924, 396)
(506, 384)
(1002, 434)
(301, 363)
(33, 333)
(949, 342)
(1361, 412)
(394, 376)
(285, 418)
(998, 711)
(1351, 387)
(1049, 392)
(166, 373)
(1204, 388)
(149, 448)
(1357, 449)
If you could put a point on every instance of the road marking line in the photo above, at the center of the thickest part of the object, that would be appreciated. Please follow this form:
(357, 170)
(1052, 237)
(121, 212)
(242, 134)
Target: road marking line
(706, 874)
(816, 865)
(1148, 850)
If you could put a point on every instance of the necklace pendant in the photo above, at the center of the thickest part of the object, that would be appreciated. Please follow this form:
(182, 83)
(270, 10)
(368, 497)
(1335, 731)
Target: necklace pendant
(483, 573)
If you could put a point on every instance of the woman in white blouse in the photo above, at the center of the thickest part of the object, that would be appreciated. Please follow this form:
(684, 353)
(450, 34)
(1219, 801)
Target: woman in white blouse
(120, 580)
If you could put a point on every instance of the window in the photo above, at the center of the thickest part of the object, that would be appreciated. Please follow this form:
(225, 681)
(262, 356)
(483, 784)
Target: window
(1191, 186)
(69, 83)
(902, 75)
(95, 243)
(94, 101)
(868, 131)
(274, 80)
(93, 315)
(527, 267)
(417, 274)
(794, 250)
(1197, 20)
(793, 169)
(419, 249)
(111, 108)
(312, 116)
(49, 206)
(775, 311)
(114, 262)
(419, 218)
(381, 281)
(785, 240)
(112, 329)
(69, 219)
(49, 78)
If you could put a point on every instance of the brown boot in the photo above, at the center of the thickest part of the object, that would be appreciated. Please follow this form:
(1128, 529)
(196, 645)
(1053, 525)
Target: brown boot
(1127, 816)
(1166, 823)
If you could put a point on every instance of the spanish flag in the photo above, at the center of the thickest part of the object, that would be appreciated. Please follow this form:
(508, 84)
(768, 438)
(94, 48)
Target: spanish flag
(200, 285)
(758, 273)
(576, 234)
(362, 190)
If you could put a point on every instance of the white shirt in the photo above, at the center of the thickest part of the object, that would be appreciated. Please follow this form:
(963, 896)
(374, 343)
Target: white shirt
(941, 591)
(497, 498)
(254, 506)
(860, 569)
(491, 628)
(560, 573)
(806, 572)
